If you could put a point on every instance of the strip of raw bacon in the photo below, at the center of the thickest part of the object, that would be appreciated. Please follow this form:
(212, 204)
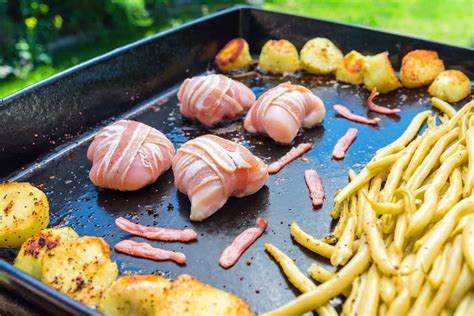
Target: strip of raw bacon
(144, 250)
(315, 187)
(377, 108)
(156, 233)
(343, 143)
(345, 112)
(294, 153)
(245, 239)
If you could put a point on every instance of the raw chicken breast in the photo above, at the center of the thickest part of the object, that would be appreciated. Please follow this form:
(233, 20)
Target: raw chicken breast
(128, 155)
(212, 98)
(281, 111)
(210, 169)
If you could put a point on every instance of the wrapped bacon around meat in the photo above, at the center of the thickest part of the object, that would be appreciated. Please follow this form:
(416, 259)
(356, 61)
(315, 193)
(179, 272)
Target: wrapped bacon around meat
(281, 111)
(128, 155)
(213, 98)
(210, 169)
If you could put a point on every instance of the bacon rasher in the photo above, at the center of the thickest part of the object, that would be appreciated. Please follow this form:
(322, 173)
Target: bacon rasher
(377, 108)
(128, 155)
(244, 240)
(281, 111)
(346, 113)
(144, 250)
(156, 233)
(315, 187)
(294, 153)
(210, 169)
(212, 98)
(343, 143)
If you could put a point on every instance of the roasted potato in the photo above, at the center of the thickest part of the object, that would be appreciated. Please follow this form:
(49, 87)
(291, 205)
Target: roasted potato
(24, 211)
(188, 296)
(420, 68)
(279, 57)
(450, 86)
(350, 69)
(234, 55)
(378, 72)
(80, 268)
(320, 56)
(33, 250)
(134, 295)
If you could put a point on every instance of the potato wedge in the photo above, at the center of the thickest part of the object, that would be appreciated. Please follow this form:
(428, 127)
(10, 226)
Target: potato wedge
(320, 56)
(31, 253)
(234, 55)
(279, 56)
(188, 296)
(134, 295)
(24, 211)
(81, 269)
(350, 69)
(420, 68)
(450, 86)
(378, 72)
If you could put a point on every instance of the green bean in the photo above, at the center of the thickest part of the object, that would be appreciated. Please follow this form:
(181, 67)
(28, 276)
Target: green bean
(468, 186)
(327, 290)
(423, 216)
(461, 288)
(443, 106)
(429, 161)
(453, 271)
(451, 196)
(370, 293)
(310, 242)
(410, 132)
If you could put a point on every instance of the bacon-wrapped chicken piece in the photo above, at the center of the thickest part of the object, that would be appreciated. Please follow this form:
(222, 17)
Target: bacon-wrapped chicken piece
(128, 155)
(210, 169)
(282, 111)
(213, 98)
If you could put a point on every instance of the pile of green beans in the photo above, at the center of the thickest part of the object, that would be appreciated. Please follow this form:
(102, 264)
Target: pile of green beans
(404, 242)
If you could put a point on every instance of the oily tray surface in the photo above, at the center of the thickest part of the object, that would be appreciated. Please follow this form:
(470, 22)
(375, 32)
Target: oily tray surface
(77, 203)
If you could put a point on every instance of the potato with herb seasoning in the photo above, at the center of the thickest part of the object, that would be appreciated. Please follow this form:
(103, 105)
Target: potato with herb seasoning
(279, 56)
(81, 269)
(320, 56)
(31, 253)
(420, 68)
(451, 86)
(378, 72)
(350, 69)
(134, 295)
(24, 211)
(234, 55)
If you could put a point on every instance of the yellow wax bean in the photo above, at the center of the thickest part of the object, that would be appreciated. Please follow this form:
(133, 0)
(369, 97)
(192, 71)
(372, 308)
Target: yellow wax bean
(362, 178)
(387, 289)
(343, 249)
(466, 306)
(421, 301)
(461, 288)
(384, 162)
(451, 196)
(468, 243)
(438, 269)
(370, 293)
(353, 300)
(400, 305)
(469, 184)
(309, 242)
(443, 106)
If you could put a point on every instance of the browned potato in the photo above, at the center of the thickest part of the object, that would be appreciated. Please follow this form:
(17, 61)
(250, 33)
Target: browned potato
(234, 55)
(378, 72)
(134, 295)
(450, 86)
(350, 69)
(81, 269)
(320, 56)
(279, 57)
(188, 296)
(420, 68)
(29, 258)
(24, 211)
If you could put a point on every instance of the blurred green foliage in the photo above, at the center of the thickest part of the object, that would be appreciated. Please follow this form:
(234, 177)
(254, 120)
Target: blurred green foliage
(39, 38)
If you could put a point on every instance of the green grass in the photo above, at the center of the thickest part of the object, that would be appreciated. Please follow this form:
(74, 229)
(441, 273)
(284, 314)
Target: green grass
(446, 21)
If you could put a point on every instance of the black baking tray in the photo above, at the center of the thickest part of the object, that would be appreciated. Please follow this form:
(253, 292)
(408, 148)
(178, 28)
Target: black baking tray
(45, 130)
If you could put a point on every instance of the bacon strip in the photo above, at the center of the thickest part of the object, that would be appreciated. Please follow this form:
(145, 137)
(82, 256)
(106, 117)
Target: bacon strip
(315, 187)
(377, 108)
(144, 250)
(294, 153)
(244, 240)
(345, 112)
(156, 233)
(343, 143)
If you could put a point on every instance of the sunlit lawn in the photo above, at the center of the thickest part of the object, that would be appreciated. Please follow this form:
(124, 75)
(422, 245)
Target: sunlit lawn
(446, 21)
